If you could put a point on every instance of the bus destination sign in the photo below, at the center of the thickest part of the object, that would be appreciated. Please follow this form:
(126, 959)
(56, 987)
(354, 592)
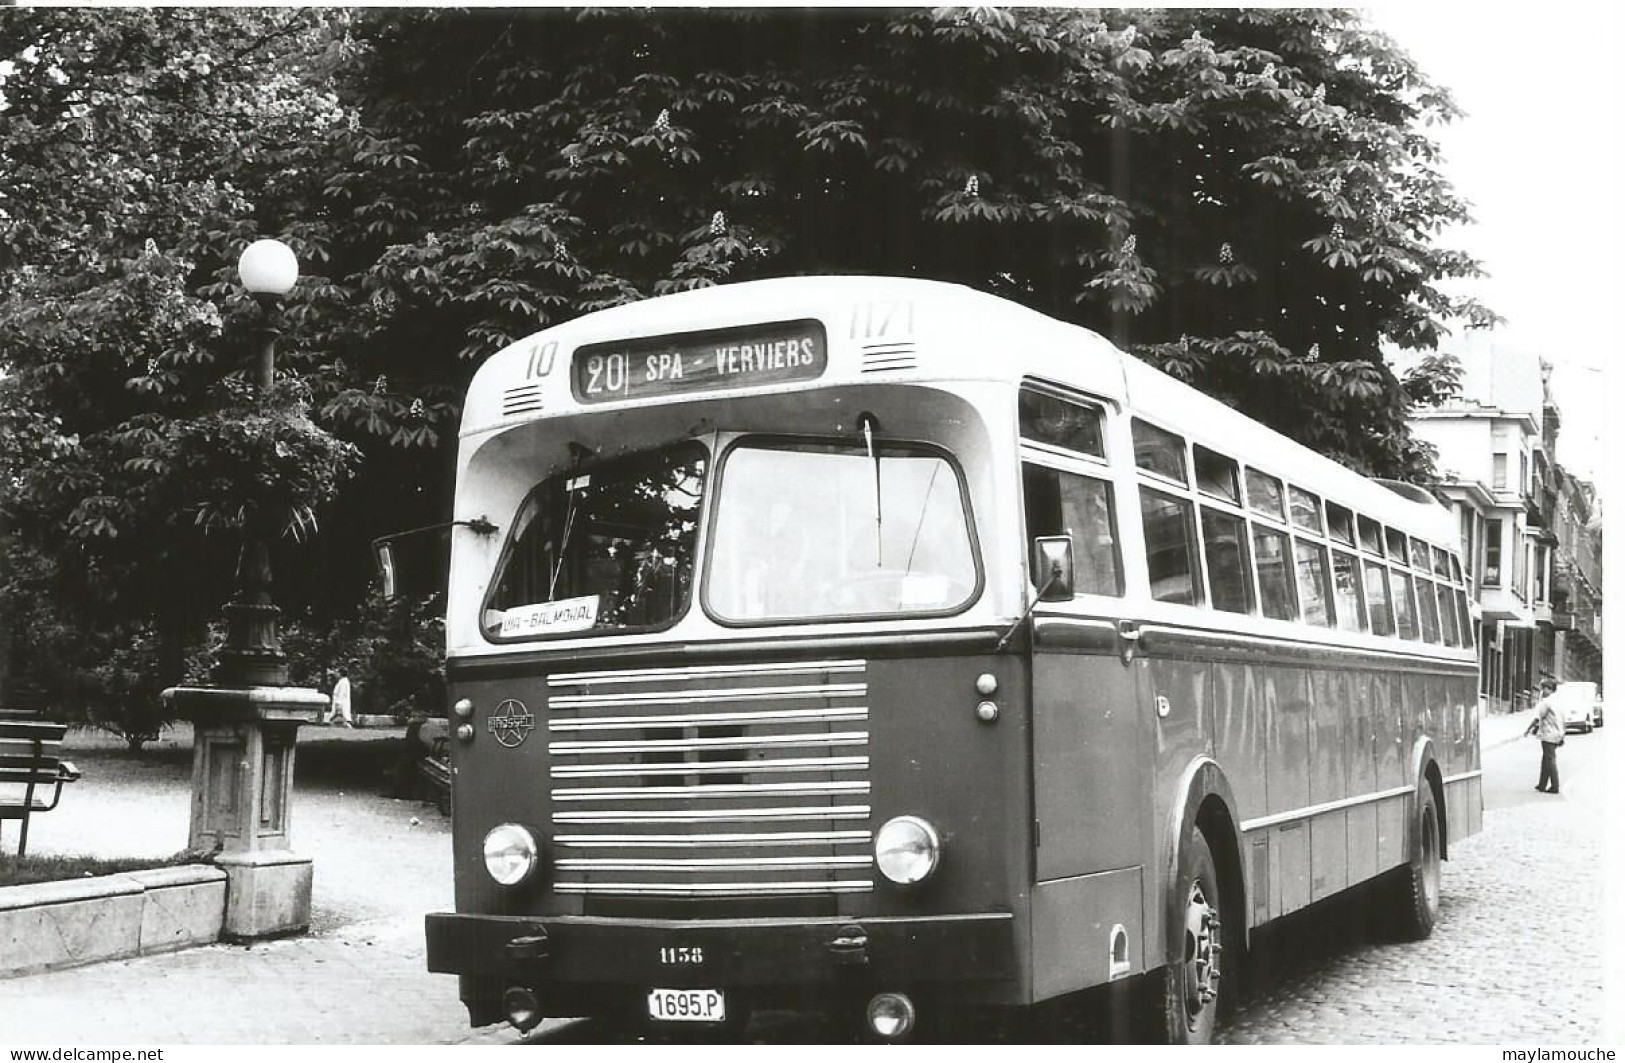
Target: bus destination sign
(749, 356)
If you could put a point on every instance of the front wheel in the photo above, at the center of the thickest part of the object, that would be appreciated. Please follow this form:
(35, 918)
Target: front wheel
(1417, 885)
(1193, 983)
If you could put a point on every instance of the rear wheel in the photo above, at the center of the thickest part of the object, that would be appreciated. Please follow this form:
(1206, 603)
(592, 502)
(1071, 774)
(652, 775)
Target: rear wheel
(1193, 984)
(1416, 890)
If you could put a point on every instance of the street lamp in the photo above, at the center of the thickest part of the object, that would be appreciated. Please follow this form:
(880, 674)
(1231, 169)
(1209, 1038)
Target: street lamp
(253, 655)
(268, 270)
(245, 728)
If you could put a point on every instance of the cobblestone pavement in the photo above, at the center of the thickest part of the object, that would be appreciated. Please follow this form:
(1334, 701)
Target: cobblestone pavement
(1517, 956)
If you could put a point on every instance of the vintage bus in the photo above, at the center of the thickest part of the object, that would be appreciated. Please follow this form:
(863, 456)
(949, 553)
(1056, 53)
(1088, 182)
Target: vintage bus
(884, 648)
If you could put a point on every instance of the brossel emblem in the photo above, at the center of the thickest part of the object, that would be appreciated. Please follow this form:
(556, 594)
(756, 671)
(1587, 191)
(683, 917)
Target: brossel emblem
(510, 722)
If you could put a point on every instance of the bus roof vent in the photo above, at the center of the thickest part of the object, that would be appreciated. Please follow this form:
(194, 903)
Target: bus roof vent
(889, 357)
(1410, 491)
(526, 398)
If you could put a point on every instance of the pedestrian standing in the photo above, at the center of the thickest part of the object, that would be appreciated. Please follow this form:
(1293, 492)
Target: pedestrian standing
(339, 714)
(1548, 727)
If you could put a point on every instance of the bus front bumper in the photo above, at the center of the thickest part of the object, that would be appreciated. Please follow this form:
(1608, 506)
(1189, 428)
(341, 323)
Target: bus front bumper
(579, 957)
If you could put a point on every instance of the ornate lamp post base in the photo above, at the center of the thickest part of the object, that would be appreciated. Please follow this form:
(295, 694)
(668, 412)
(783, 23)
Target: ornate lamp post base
(242, 787)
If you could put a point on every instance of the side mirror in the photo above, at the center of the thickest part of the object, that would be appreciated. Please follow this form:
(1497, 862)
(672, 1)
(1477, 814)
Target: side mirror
(383, 552)
(1052, 567)
(414, 564)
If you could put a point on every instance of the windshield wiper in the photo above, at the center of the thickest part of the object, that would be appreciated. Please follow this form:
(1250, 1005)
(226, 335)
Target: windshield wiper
(570, 488)
(868, 422)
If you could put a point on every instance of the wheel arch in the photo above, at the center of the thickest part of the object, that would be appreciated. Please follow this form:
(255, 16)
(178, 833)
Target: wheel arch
(1425, 770)
(1204, 800)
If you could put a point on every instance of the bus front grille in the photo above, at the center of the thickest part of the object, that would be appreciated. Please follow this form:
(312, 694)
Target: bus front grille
(710, 782)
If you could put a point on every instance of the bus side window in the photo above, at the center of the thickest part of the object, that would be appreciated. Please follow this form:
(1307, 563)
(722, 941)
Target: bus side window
(1465, 617)
(1370, 536)
(1159, 451)
(1274, 576)
(1216, 474)
(1340, 524)
(1346, 592)
(1404, 606)
(1430, 609)
(1447, 616)
(1396, 546)
(1306, 510)
(1314, 582)
(1376, 596)
(1264, 495)
(1170, 548)
(1058, 422)
(1064, 503)
(1225, 543)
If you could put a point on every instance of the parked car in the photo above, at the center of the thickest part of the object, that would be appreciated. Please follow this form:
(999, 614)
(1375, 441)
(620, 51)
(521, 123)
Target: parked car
(1579, 706)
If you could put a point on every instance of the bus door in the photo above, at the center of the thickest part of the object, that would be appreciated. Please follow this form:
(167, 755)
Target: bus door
(1089, 746)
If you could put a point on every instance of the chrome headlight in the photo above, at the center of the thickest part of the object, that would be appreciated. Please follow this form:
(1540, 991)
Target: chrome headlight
(511, 854)
(907, 850)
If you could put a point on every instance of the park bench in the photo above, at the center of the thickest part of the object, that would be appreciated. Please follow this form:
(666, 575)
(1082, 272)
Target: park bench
(30, 766)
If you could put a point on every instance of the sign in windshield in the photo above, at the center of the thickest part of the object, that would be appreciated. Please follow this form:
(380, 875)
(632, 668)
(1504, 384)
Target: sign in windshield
(748, 356)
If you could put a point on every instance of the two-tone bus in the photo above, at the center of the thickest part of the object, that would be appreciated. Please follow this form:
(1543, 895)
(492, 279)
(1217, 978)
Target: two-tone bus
(878, 645)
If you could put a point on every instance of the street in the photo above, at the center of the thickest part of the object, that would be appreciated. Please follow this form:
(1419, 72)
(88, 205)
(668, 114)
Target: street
(1517, 955)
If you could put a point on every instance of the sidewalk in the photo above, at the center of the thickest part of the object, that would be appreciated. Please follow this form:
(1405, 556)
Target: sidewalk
(357, 978)
(1499, 728)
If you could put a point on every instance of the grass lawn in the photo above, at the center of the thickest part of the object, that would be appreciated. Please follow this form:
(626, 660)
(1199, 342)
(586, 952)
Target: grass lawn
(15, 872)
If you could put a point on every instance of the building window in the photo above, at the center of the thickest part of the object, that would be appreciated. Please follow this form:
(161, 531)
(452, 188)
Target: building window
(1498, 471)
(1492, 553)
(1467, 540)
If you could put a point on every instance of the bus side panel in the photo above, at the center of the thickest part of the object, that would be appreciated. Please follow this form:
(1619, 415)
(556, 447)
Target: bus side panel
(1388, 709)
(1087, 744)
(1351, 694)
(1288, 772)
(1464, 800)
(1241, 734)
(1329, 740)
(1089, 741)
(1179, 736)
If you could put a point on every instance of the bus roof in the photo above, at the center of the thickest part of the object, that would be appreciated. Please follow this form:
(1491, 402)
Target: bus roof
(907, 330)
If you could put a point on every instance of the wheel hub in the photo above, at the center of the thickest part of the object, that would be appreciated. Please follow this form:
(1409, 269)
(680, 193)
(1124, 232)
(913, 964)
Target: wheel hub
(1202, 948)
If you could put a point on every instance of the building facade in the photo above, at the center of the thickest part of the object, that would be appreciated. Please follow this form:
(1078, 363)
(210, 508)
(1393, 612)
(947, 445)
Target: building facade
(1531, 532)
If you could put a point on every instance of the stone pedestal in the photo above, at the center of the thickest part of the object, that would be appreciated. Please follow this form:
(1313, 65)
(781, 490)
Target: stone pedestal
(242, 787)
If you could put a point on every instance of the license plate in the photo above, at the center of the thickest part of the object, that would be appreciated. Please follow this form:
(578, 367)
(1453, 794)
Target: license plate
(687, 1005)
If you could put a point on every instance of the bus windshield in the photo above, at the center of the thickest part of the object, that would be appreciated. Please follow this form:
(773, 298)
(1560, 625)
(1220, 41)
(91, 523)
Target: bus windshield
(825, 531)
(606, 548)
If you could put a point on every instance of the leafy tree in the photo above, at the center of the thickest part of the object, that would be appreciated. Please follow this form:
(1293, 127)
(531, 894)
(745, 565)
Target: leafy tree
(1248, 199)
(138, 152)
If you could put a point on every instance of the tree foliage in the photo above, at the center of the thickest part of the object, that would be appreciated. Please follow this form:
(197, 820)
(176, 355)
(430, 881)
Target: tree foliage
(1248, 199)
(138, 152)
